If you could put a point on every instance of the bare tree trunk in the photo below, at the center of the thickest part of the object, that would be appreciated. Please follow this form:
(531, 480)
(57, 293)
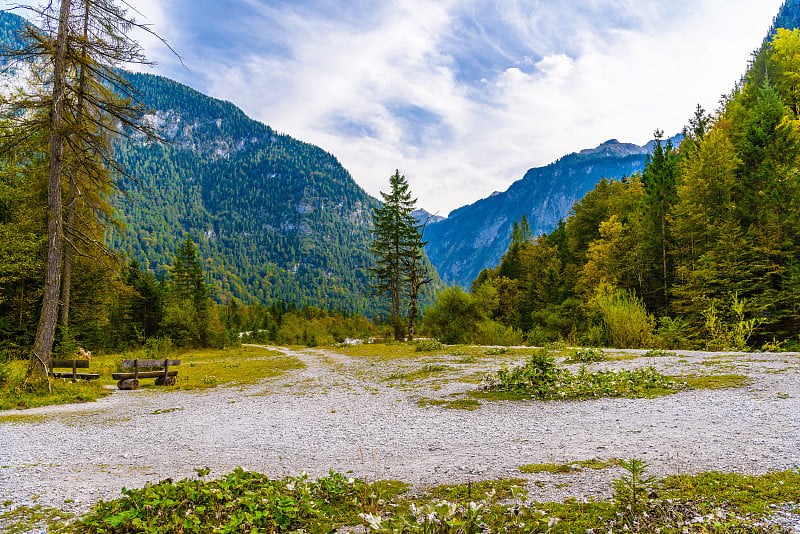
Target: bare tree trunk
(72, 199)
(45, 333)
(66, 276)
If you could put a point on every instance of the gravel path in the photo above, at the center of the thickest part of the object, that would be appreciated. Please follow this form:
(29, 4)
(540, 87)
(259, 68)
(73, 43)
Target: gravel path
(341, 413)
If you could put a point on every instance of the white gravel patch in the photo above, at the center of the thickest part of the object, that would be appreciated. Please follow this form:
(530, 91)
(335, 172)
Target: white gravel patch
(331, 415)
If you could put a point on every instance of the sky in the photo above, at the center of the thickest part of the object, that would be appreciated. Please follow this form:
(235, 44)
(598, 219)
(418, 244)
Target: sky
(461, 96)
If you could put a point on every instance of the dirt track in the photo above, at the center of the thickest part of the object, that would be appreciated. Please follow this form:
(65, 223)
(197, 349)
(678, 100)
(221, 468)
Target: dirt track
(349, 415)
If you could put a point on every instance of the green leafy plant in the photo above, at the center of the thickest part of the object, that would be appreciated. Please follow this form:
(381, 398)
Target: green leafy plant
(541, 378)
(729, 333)
(587, 355)
(497, 351)
(657, 353)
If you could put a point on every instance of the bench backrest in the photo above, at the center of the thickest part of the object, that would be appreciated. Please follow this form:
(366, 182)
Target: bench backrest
(150, 363)
(79, 364)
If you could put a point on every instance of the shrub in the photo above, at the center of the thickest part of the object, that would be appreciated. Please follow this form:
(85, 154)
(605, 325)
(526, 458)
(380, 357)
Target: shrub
(455, 316)
(729, 333)
(626, 321)
(672, 334)
(493, 333)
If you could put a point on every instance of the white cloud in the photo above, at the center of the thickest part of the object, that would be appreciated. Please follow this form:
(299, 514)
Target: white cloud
(463, 96)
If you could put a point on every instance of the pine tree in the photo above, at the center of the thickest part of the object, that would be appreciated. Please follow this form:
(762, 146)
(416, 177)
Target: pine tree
(660, 179)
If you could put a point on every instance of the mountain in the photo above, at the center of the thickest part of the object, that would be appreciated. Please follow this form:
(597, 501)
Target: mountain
(425, 217)
(274, 218)
(474, 237)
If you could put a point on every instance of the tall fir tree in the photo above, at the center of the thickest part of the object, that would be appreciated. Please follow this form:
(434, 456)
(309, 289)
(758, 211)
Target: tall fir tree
(397, 245)
(660, 178)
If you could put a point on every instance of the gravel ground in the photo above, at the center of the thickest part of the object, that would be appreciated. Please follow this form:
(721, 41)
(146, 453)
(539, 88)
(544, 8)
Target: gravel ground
(340, 413)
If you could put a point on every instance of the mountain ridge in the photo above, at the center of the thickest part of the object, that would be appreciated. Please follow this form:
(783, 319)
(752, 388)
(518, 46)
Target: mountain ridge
(475, 236)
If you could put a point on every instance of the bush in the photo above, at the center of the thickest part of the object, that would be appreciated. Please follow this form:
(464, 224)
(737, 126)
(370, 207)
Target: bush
(626, 321)
(586, 355)
(455, 317)
(493, 333)
(672, 334)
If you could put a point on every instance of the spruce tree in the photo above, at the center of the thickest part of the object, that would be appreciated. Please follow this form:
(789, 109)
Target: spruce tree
(398, 270)
(660, 179)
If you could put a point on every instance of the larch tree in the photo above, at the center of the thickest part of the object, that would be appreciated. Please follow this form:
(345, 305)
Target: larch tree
(78, 94)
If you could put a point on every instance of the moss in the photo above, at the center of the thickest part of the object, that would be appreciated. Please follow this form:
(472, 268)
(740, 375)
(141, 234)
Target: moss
(717, 381)
(545, 468)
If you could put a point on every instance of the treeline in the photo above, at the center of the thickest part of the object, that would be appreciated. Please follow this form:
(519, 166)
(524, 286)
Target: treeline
(279, 219)
(699, 249)
(118, 309)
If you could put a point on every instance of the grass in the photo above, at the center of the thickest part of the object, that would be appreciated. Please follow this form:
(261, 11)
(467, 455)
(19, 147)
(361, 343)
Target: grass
(589, 355)
(477, 491)
(594, 463)
(202, 369)
(451, 403)
(17, 392)
(199, 369)
(243, 501)
(716, 381)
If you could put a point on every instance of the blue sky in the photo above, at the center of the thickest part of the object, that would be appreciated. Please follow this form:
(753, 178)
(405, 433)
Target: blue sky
(462, 96)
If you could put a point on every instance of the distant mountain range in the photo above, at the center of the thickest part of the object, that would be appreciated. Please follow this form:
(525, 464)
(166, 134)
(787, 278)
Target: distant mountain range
(474, 237)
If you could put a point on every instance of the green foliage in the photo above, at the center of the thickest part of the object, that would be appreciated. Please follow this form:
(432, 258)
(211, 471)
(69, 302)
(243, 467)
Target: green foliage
(497, 351)
(18, 391)
(631, 491)
(427, 345)
(539, 377)
(716, 216)
(310, 326)
(399, 270)
(460, 318)
(239, 501)
(587, 355)
(730, 334)
(249, 502)
(626, 321)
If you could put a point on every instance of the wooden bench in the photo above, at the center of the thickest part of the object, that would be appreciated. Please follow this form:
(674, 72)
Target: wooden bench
(74, 365)
(158, 369)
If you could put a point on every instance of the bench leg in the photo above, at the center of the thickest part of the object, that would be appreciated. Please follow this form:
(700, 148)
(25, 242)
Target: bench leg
(165, 381)
(128, 383)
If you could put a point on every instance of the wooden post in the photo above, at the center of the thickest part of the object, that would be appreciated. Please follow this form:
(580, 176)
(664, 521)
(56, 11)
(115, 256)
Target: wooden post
(74, 370)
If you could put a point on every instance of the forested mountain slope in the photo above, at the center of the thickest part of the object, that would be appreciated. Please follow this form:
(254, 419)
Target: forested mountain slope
(274, 218)
(476, 236)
